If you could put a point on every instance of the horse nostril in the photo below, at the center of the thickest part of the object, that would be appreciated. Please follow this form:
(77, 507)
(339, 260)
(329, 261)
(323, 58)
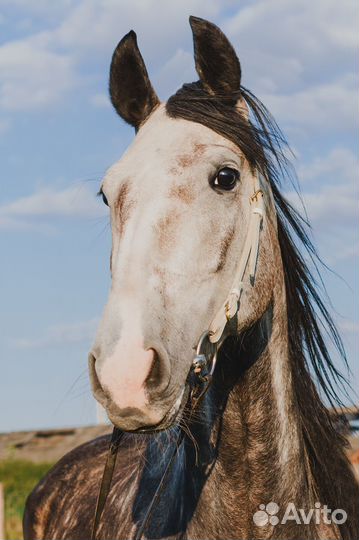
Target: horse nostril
(158, 377)
(97, 389)
(91, 364)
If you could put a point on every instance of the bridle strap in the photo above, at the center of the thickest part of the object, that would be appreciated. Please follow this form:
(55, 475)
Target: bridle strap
(248, 258)
(108, 471)
(107, 475)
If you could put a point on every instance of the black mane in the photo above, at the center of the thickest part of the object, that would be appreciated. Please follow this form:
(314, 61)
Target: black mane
(264, 147)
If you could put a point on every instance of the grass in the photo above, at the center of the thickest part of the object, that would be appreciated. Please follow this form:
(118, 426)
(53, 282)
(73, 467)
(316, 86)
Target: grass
(18, 477)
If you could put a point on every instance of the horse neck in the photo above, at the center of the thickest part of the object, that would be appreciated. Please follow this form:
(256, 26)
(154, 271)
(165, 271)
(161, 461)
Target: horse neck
(261, 413)
(260, 433)
(247, 446)
(260, 454)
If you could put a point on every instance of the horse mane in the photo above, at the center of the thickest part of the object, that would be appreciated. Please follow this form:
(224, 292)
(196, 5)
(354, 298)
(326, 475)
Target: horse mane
(265, 148)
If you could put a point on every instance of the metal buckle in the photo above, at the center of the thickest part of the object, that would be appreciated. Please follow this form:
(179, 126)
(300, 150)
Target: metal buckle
(227, 312)
(254, 197)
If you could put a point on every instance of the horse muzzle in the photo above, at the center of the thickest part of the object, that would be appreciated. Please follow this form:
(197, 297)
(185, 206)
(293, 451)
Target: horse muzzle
(133, 385)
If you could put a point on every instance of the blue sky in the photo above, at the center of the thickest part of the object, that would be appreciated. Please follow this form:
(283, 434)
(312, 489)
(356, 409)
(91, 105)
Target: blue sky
(58, 135)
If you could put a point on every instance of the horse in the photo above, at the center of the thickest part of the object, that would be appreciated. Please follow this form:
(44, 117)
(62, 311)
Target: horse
(210, 280)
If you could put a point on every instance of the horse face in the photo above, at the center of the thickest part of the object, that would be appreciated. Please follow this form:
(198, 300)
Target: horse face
(179, 201)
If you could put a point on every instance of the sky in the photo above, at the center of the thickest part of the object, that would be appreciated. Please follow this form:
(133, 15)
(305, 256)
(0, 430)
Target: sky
(59, 134)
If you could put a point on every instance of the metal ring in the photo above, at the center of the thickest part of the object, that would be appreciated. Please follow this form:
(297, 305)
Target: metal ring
(200, 342)
(213, 352)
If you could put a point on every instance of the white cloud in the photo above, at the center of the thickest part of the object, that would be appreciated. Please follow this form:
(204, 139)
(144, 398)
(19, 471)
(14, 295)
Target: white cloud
(323, 107)
(302, 69)
(47, 11)
(95, 25)
(290, 42)
(32, 75)
(39, 70)
(331, 191)
(349, 327)
(300, 58)
(338, 166)
(100, 100)
(73, 202)
(332, 206)
(174, 72)
(17, 224)
(330, 197)
(60, 335)
(345, 251)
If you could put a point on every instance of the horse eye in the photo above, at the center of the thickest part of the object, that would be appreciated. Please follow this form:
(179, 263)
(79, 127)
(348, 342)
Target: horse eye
(226, 179)
(104, 198)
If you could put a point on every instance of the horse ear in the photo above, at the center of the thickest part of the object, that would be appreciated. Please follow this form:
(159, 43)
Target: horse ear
(216, 61)
(131, 91)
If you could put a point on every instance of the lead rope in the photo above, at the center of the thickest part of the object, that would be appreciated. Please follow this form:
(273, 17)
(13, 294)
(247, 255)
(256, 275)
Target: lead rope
(107, 475)
(107, 479)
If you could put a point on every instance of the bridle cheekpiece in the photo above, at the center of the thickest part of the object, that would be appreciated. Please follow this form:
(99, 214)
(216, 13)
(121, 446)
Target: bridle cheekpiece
(204, 363)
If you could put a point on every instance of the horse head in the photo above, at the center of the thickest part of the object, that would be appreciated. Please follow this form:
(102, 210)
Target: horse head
(181, 200)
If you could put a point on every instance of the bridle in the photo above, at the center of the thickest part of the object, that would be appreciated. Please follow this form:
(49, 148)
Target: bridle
(249, 257)
(204, 362)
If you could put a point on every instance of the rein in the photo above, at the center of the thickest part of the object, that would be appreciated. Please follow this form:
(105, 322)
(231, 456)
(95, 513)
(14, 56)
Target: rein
(204, 363)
